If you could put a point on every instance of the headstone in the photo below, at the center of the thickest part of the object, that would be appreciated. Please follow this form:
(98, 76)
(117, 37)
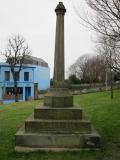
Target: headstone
(58, 125)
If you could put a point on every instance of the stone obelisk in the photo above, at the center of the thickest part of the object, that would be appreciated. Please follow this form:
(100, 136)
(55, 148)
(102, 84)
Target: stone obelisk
(59, 47)
(58, 124)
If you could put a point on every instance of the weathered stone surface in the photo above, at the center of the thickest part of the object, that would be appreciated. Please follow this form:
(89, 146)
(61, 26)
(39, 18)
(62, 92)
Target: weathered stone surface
(57, 126)
(58, 101)
(58, 97)
(73, 113)
(59, 47)
(56, 141)
(60, 9)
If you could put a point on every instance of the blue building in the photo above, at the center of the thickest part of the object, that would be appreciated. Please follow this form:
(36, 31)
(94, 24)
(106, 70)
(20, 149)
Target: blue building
(34, 77)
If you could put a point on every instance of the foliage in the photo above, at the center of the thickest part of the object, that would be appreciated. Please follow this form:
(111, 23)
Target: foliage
(51, 82)
(73, 79)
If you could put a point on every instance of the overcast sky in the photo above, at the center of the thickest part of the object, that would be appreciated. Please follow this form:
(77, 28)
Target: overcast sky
(35, 20)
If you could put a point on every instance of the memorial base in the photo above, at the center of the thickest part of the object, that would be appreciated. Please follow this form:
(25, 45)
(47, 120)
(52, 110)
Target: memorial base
(57, 128)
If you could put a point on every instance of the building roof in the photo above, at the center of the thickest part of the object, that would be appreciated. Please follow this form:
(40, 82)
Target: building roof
(24, 65)
(35, 61)
(31, 60)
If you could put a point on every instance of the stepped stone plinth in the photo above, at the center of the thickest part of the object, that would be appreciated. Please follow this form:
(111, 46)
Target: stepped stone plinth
(58, 124)
(53, 128)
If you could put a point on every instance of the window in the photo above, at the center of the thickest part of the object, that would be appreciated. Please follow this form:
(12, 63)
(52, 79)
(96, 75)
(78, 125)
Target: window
(10, 93)
(26, 76)
(7, 75)
(17, 76)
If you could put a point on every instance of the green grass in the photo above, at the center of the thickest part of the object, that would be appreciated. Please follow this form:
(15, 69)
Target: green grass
(103, 112)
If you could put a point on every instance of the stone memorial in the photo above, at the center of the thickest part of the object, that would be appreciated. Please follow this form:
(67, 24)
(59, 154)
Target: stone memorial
(58, 125)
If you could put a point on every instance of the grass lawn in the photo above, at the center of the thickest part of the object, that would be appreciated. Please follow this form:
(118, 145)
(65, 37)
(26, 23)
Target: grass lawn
(103, 112)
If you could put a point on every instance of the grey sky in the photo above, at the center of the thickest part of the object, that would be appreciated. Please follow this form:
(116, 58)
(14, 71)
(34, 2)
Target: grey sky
(36, 21)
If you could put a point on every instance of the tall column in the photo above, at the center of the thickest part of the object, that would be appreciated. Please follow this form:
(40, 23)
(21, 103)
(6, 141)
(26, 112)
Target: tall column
(59, 47)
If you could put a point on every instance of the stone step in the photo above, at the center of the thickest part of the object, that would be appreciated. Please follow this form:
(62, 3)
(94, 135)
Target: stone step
(55, 142)
(57, 126)
(58, 101)
(43, 112)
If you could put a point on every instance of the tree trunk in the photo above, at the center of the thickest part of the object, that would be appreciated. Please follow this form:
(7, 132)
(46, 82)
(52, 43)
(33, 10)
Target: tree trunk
(111, 84)
(16, 91)
(111, 77)
(15, 85)
(106, 81)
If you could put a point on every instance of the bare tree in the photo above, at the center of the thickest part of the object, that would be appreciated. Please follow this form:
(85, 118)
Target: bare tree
(104, 18)
(15, 53)
(72, 70)
(89, 69)
(79, 67)
(82, 66)
(109, 50)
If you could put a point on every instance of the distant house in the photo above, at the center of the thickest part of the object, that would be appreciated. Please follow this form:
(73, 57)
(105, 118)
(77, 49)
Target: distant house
(34, 77)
